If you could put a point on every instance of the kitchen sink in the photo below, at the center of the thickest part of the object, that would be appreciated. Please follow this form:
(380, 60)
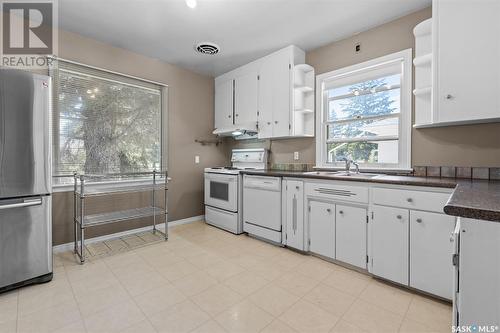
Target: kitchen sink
(343, 174)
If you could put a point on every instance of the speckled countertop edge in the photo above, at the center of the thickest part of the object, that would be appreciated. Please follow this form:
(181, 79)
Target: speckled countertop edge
(475, 199)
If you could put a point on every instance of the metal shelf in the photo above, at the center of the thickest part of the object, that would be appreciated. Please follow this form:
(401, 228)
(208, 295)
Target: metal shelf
(99, 190)
(83, 190)
(122, 215)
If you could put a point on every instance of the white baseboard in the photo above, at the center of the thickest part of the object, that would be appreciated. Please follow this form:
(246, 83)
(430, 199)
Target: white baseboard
(70, 246)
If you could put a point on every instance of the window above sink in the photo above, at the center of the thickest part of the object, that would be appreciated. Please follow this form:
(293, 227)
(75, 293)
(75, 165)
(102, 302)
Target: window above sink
(365, 114)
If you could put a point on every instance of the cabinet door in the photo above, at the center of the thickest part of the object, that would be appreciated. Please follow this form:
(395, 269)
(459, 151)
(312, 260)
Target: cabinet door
(224, 104)
(274, 95)
(245, 98)
(431, 269)
(351, 235)
(322, 228)
(468, 70)
(295, 214)
(389, 243)
(479, 290)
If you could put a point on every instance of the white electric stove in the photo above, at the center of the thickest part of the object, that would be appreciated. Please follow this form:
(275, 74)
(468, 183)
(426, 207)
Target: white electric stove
(224, 190)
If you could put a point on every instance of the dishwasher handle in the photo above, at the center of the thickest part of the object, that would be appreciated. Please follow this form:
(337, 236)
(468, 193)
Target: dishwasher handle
(262, 183)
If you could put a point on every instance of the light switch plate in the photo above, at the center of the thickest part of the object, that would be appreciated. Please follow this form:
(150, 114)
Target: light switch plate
(296, 156)
(197, 159)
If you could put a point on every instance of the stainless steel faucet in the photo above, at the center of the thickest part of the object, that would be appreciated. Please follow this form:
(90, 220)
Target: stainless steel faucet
(348, 161)
(356, 165)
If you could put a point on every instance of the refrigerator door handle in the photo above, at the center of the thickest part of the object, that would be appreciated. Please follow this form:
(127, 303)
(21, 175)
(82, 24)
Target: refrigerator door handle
(25, 203)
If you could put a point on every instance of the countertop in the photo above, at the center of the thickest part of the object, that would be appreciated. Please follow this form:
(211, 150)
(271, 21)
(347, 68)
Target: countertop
(476, 199)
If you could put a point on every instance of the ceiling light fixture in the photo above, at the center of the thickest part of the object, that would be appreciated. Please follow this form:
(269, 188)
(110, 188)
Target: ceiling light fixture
(237, 133)
(191, 3)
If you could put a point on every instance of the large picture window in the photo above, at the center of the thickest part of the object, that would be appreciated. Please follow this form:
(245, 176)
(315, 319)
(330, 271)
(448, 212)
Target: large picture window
(365, 114)
(105, 122)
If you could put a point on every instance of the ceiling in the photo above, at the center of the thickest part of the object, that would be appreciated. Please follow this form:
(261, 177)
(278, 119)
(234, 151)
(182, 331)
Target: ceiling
(244, 29)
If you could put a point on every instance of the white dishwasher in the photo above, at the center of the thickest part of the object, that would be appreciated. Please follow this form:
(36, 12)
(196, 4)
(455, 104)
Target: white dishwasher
(262, 207)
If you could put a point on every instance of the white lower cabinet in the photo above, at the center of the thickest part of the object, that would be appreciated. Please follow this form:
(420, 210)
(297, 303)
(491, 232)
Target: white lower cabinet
(294, 212)
(389, 234)
(402, 238)
(350, 233)
(431, 268)
(478, 299)
(322, 228)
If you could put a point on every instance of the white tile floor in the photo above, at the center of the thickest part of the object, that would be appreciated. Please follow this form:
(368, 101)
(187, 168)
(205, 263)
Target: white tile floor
(207, 280)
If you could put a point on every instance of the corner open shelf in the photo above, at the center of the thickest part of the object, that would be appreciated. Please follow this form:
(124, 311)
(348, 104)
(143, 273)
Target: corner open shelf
(422, 91)
(303, 89)
(304, 110)
(423, 60)
(423, 73)
(88, 186)
(303, 100)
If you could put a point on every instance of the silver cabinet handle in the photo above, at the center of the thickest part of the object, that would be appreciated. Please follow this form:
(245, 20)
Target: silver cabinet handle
(294, 214)
(341, 212)
(419, 220)
(25, 203)
(328, 210)
(409, 200)
(399, 217)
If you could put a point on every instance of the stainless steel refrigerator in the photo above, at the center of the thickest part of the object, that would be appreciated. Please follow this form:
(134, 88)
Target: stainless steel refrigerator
(25, 179)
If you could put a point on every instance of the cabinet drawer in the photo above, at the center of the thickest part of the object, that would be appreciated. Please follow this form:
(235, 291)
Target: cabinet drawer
(222, 219)
(421, 200)
(339, 192)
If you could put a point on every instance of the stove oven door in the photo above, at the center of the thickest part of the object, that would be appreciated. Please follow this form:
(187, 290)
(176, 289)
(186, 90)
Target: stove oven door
(221, 191)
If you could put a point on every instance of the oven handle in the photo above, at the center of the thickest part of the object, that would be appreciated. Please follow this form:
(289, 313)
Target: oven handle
(220, 178)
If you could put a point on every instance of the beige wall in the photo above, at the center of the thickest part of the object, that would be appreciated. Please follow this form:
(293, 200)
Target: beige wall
(471, 145)
(190, 117)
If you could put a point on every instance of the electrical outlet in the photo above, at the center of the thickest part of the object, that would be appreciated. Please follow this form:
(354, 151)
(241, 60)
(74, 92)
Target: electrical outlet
(197, 159)
(296, 156)
(357, 48)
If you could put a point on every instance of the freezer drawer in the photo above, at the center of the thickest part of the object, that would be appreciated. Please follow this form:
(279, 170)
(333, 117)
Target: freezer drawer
(25, 239)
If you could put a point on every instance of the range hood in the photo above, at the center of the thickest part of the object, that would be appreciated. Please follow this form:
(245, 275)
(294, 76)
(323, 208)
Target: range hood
(248, 129)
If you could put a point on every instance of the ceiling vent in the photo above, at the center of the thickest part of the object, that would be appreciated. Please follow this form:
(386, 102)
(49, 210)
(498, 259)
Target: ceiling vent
(207, 48)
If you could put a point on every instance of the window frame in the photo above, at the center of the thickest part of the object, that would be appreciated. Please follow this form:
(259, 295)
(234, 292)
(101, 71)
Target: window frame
(164, 98)
(405, 116)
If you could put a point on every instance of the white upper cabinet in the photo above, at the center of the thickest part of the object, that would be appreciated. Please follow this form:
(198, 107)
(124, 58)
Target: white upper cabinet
(275, 93)
(245, 97)
(223, 103)
(468, 51)
(264, 93)
(465, 68)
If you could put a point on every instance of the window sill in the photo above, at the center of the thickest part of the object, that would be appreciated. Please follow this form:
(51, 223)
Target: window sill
(118, 183)
(374, 170)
